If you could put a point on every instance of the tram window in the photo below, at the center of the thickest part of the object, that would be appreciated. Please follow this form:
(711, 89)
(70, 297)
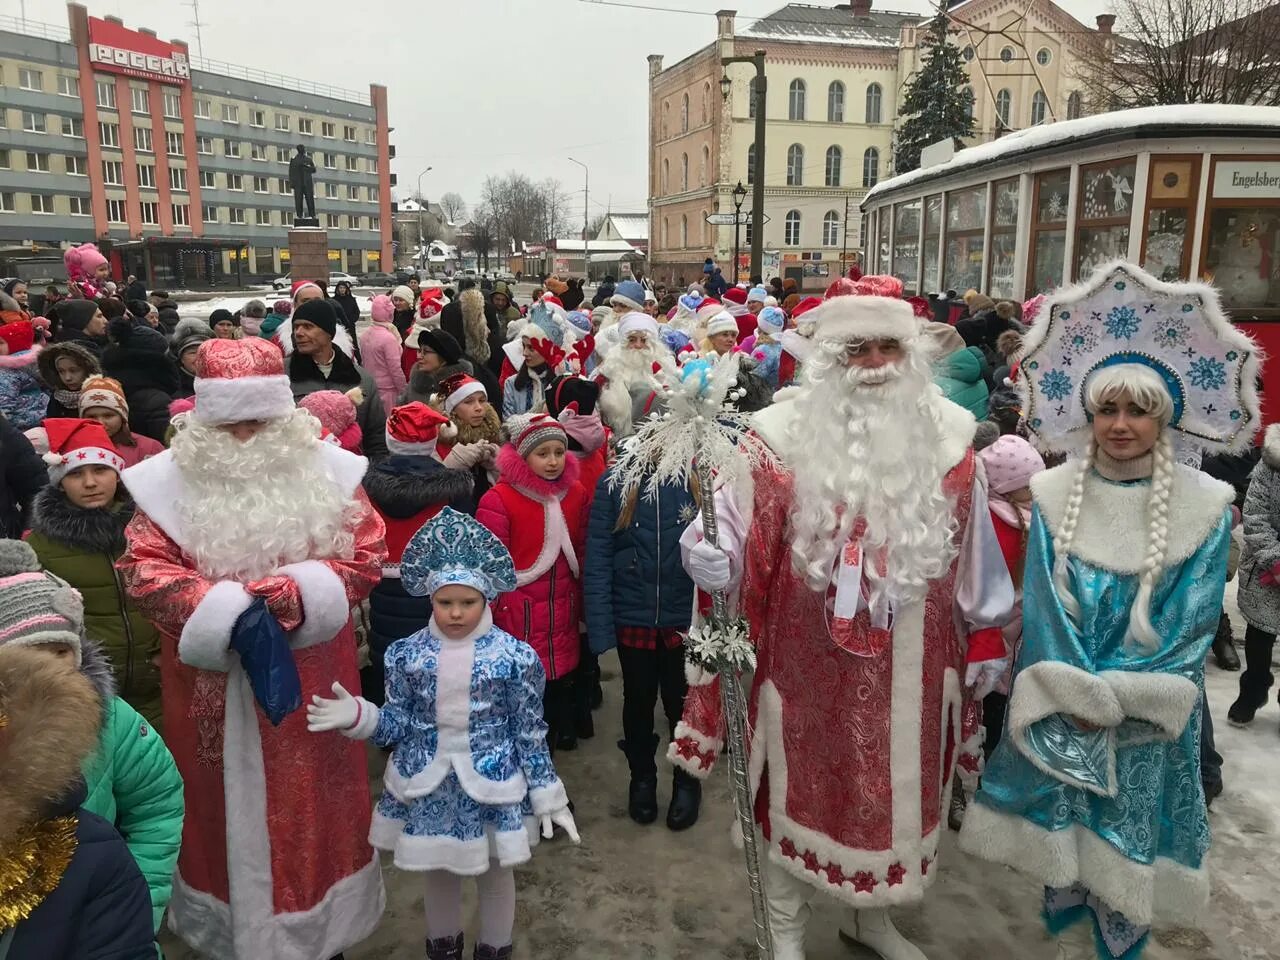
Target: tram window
(1243, 250)
(1105, 206)
(882, 238)
(966, 221)
(1004, 239)
(1049, 230)
(931, 282)
(1166, 243)
(906, 245)
(1171, 203)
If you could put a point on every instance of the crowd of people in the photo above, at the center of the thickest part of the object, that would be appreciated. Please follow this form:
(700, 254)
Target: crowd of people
(408, 523)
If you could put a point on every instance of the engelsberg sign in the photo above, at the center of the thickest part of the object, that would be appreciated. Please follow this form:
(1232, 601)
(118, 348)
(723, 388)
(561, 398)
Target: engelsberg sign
(1246, 178)
(115, 49)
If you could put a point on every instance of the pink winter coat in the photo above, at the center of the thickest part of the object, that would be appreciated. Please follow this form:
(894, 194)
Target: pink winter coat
(545, 607)
(380, 355)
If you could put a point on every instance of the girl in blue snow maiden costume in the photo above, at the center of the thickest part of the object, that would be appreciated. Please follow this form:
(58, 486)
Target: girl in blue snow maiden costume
(1095, 789)
(470, 780)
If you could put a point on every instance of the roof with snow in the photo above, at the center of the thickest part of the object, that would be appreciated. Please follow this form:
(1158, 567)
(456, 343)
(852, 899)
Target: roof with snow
(574, 245)
(804, 23)
(1143, 123)
(631, 226)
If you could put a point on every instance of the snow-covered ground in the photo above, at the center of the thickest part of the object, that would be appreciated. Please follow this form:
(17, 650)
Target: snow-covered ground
(233, 302)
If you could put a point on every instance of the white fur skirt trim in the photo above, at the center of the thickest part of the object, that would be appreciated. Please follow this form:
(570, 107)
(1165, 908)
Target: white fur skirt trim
(467, 858)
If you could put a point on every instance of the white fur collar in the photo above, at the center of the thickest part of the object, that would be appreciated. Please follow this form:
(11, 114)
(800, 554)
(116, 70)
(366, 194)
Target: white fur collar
(1111, 531)
(1271, 446)
(771, 423)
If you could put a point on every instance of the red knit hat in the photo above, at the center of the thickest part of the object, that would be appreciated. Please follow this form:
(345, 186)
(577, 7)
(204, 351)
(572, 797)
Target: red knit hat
(336, 412)
(19, 335)
(238, 380)
(804, 306)
(414, 428)
(75, 443)
(736, 295)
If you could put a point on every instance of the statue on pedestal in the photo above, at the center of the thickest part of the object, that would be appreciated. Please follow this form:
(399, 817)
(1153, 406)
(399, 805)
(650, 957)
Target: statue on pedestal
(302, 181)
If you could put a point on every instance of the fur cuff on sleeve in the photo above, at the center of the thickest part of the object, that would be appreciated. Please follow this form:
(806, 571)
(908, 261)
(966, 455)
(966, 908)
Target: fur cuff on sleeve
(366, 723)
(1052, 686)
(696, 675)
(1164, 700)
(549, 799)
(206, 638)
(693, 751)
(325, 610)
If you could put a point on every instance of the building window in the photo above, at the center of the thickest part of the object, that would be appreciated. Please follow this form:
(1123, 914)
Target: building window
(349, 134)
(116, 211)
(142, 139)
(260, 185)
(4, 160)
(173, 105)
(353, 192)
(33, 122)
(795, 100)
(282, 154)
(751, 99)
(147, 175)
(181, 214)
(141, 98)
(831, 229)
(1006, 54)
(210, 213)
(795, 165)
(373, 194)
(41, 203)
(970, 100)
(666, 110)
(375, 223)
(870, 167)
(105, 93)
(174, 145)
(109, 134)
(792, 233)
(1004, 106)
(684, 113)
(68, 86)
(703, 165)
(73, 127)
(113, 173)
(231, 148)
(1043, 56)
(37, 162)
(331, 221)
(204, 145)
(263, 218)
(326, 129)
(1039, 108)
(304, 126)
(29, 79)
(6, 203)
(282, 122)
(149, 211)
(666, 176)
(684, 231)
(331, 191)
(706, 103)
(235, 181)
(875, 103)
(202, 108)
(208, 179)
(286, 218)
(235, 215)
(257, 118)
(80, 206)
(835, 102)
(330, 161)
(230, 113)
(178, 178)
(969, 53)
(373, 164)
(77, 166)
(353, 164)
(684, 172)
(834, 158)
(282, 185)
(1074, 106)
(258, 152)
(357, 223)
(371, 136)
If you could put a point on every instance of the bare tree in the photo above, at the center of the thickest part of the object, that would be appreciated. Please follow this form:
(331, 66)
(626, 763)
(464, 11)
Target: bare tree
(522, 211)
(453, 207)
(479, 237)
(1185, 51)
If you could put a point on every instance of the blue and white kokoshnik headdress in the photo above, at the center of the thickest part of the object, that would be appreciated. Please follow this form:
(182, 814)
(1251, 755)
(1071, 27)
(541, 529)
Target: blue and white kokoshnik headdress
(1122, 314)
(453, 548)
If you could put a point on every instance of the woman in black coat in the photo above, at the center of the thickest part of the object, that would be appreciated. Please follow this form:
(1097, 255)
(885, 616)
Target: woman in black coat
(141, 362)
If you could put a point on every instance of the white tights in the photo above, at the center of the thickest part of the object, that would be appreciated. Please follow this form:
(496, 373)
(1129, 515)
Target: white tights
(442, 903)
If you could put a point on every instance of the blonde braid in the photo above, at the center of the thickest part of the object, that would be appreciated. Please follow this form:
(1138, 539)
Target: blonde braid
(1066, 532)
(1162, 471)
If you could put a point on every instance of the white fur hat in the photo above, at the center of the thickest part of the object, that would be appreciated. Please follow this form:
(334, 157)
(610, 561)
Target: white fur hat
(638, 323)
(722, 322)
(854, 317)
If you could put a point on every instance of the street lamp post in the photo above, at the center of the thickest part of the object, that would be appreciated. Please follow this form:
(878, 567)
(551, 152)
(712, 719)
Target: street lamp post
(422, 254)
(586, 240)
(739, 194)
(757, 186)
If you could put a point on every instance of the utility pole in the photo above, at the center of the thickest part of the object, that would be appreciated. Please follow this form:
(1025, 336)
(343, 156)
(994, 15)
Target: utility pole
(586, 222)
(844, 236)
(757, 191)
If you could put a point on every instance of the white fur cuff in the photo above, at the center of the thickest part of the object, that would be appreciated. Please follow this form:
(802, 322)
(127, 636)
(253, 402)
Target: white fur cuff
(550, 798)
(696, 675)
(1051, 686)
(206, 637)
(1164, 700)
(325, 610)
(221, 400)
(693, 751)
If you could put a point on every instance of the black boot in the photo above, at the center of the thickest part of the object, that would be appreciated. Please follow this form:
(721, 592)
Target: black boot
(642, 799)
(686, 799)
(583, 723)
(445, 948)
(1256, 679)
(1224, 650)
(486, 952)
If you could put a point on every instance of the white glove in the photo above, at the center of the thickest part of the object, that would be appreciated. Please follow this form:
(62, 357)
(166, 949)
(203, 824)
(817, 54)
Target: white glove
(708, 566)
(346, 714)
(984, 675)
(464, 456)
(563, 819)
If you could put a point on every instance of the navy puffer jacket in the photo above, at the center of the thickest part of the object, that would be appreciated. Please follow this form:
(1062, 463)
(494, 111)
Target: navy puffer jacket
(633, 577)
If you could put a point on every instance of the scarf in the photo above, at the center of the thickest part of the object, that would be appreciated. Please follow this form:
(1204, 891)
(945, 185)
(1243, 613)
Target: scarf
(343, 373)
(68, 398)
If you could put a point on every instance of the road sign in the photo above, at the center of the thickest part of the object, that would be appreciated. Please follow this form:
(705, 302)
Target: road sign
(728, 219)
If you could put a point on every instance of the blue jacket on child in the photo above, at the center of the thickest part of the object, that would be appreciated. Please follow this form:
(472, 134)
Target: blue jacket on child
(634, 577)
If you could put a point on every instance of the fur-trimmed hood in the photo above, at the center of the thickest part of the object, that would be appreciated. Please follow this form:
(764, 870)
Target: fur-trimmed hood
(490, 430)
(53, 718)
(516, 472)
(93, 530)
(48, 362)
(1271, 447)
(403, 486)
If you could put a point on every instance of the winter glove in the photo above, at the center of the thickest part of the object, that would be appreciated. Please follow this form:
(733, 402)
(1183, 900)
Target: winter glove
(563, 819)
(1270, 577)
(984, 675)
(464, 456)
(353, 717)
(708, 566)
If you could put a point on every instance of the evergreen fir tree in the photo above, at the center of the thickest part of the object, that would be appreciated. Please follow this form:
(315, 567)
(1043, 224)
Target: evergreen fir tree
(936, 103)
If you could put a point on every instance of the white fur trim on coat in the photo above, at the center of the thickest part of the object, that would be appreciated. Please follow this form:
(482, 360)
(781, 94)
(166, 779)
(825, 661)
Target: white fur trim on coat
(707, 744)
(1271, 446)
(325, 610)
(1113, 516)
(477, 787)
(846, 318)
(468, 858)
(223, 400)
(1164, 700)
(205, 642)
(1145, 893)
(550, 798)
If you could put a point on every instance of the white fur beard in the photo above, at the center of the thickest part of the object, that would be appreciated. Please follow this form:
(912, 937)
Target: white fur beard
(880, 444)
(623, 369)
(252, 507)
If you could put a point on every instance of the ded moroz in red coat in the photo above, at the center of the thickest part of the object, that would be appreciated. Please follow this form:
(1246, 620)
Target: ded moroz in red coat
(851, 754)
(544, 525)
(275, 859)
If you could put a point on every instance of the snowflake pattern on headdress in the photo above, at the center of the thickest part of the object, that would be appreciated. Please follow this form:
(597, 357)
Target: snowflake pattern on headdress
(1123, 315)
(453, 548)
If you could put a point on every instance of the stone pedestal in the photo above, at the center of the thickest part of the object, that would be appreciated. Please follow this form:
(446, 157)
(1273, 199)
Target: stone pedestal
(309, 255)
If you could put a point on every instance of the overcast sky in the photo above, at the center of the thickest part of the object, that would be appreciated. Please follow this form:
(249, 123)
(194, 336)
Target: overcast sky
(481, 86)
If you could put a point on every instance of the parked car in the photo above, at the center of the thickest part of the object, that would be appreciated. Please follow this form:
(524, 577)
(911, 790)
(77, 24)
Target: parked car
(378, 279)
(337, 276)
(282, 283)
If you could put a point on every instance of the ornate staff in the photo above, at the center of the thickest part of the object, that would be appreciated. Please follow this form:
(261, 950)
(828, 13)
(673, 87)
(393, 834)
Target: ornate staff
(700, 432)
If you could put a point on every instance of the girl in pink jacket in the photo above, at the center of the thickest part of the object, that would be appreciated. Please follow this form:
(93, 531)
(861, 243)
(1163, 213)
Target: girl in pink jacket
(380, 350)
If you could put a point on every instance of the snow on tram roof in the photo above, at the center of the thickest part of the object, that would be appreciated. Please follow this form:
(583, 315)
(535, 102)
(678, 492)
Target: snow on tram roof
(1170, 120)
